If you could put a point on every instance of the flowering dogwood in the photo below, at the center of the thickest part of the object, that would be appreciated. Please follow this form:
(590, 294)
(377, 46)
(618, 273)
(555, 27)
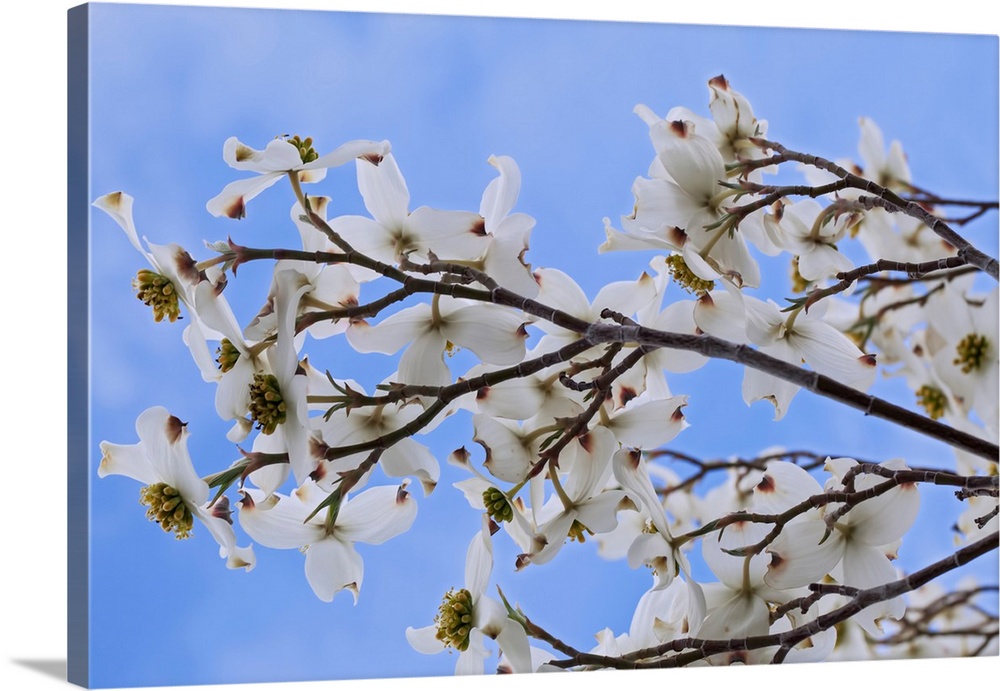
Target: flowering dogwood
(577, 431)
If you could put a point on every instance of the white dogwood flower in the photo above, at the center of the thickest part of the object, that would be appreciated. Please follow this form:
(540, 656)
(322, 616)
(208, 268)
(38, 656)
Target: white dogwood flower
(174, 494)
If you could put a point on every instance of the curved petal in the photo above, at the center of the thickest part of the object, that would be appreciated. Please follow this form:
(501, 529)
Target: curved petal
(278, 156)
(650, 424)
(799, 555)
(501, 193)
(233, 198)
(277, 522)
(496, 336)
(332, 566)
(448, 234)
(424, 640)
(410, 458)
(423, 361)
(118, 205)
(507, 457)
(782, 486)
(129, 460)
(376, 515)
(479, 561)
(393, 332)
(384, 191)
(691, 160)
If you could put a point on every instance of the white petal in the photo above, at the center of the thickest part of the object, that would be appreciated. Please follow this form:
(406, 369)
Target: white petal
(648, 425)
(599, 514)
(279, 522)
(423, 361)
(118, 205)
(513, 642)
(631, 472)
(496, 336)
(233, 198)
(129, 460)
(501, 193)
(376, 515)
(278, 156)
(424, 640)
(692, 160)
(448, 234)
(783, 486)
(479, 561)
(410, 458)
(392, 333)
(332, 566)
(798, 557)
(507, 458)
(384, 191)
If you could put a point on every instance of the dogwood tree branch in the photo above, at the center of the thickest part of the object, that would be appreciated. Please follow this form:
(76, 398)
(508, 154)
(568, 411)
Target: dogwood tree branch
(694, 649)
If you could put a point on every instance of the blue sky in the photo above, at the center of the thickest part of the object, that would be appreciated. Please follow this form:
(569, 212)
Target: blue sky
(169, 85)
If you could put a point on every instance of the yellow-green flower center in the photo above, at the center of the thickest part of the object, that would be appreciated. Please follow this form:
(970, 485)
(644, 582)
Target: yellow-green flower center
(799, 284)
(686, 278)
(497, 506)
(166, 507)
(578, 532)
(227, 355)
(157, 291)
(305, 146)
(933, 400)
(971, 351)
(267, 407)
(454, 619)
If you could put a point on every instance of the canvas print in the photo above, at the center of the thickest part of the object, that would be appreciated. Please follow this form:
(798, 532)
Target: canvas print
(418, 346)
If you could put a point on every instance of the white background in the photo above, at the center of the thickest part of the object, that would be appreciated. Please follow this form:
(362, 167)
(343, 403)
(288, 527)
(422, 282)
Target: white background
(32, 228)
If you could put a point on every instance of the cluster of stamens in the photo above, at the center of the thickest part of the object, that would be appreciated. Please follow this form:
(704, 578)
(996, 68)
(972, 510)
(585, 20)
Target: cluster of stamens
(971, 350)
(578, 532)
(454, 619)
(497, 506)
(166, 507)
(686, 278)
(267, 407)
(226, 355)
(305, 146)
(932, 400)
(158, 292)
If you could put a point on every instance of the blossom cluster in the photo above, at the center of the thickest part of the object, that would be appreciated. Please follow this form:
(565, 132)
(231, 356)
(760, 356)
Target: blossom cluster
(569, 397)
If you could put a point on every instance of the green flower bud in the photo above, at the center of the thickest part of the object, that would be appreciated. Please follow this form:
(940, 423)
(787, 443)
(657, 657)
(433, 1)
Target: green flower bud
(497, 506)
(305, 146)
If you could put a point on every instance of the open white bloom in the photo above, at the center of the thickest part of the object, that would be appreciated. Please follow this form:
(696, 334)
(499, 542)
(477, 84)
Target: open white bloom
(584, 505)
(684, 196)
(394, 232)
(467, 617)
(508, 232)
(795, 338)
(332, 562)
(806, 231)
(887, 169)
(280, 158)
(496, 335)
(858, 541)
(174, 494)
